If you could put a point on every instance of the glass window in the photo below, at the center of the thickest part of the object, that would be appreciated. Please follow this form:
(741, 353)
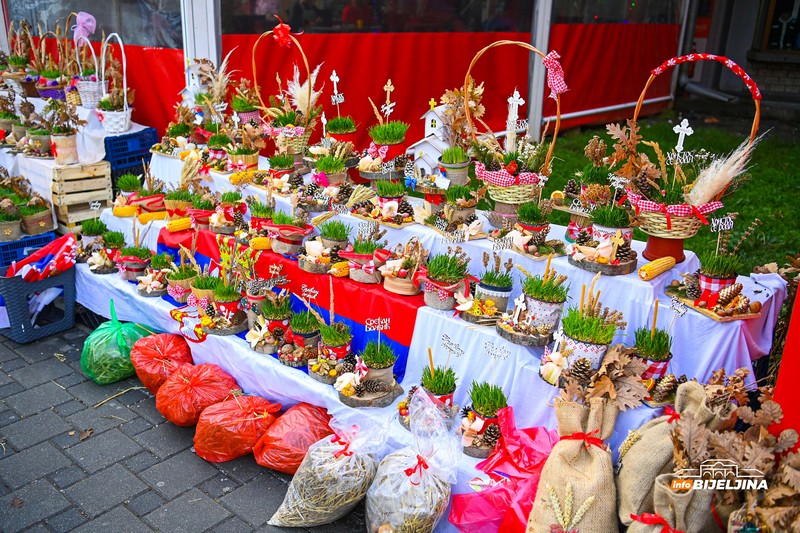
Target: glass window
(348, 16)
(616, 11)
(138, 22)
(782, 28)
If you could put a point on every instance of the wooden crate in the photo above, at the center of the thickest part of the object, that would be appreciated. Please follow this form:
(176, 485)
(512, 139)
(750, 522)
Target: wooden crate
(76, 188)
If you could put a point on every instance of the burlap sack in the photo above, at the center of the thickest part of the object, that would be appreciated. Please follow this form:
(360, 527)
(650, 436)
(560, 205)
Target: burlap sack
(689, 512)
(651, 454)
(584, 464)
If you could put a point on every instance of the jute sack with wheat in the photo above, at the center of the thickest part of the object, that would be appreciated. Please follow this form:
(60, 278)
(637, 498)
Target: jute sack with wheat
(689, 512)
(647, 452)
(576, 488)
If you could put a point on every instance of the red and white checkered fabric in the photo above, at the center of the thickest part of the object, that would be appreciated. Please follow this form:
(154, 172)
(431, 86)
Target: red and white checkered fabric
(736, 69)
(714, 285)
(502, 178)
(678, 210)
(655, 369)
(555, 74)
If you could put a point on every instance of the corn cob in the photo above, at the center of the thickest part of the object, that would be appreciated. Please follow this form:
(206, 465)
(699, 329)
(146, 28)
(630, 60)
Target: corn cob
(654, 268)
(340, 269)
(179, 224)
(125, 211)
(261, 243)
(144, 218)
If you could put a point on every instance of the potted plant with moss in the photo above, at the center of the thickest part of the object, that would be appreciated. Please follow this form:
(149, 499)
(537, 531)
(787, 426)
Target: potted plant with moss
(367, 256)
(454, 165)
(17, 63)
(201, 210)
(260, 214)
(132, 262)
(329, 170)
(37, 216)
(7, 117)
(545, 297)
(281, 167)
(461, 201)
(718, 269)
(177, 203)
(150, 197)
(496, 282)
(51, 83)
(439, 383)
(92, 231)
(154, 283)
(532, 218)
(181, 129)
(305, 329)
(334, 348)
(9, 221)
(217, 144)
(446, 275)
(113, 241)
(480, 426)
(232, 208)
(277, 311)
(390, 191)
(128, 185)
(179, 282)
(391, 135)
(290, 232)
(335, 233)
(39, 139)
(607, 220)
(342, 129)
(654, 347)
(589, 330)
(19, 129)
(242, 157)
(379, 359)
(227, 305)
(202, 296)
(245, 102)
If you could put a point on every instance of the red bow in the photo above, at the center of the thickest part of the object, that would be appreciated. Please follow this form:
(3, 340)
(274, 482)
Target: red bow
(672, 414)
(204, 132)
(512, 167)
(53, 149)
(320, 179)
(195, 302)
(361, 368)
(344, 451)
(655, 520)
(555, 74)
(419, 467)
(239, 167)
(282, 32)
(373, 151)
(587, 438)
(368, 268)
(205, 168)
(100, 116)
(699, 215)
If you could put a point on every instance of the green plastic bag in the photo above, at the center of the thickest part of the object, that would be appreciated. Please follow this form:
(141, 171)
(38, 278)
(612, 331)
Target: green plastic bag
(106, 355)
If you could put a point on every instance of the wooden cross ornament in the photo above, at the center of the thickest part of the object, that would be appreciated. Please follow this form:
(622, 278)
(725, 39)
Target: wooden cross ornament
(616, 240)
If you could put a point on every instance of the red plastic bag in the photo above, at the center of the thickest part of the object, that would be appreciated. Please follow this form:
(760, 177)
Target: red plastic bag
(516, 462)
(156, 357)
(230, 429)
(190, 389)
(286, 442)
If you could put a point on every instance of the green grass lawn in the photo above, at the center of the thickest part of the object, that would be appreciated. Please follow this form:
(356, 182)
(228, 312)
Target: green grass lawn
(769, 194)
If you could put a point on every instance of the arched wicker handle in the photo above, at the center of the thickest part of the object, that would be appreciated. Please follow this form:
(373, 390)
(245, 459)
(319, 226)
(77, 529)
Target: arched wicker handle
(305, 63)
(691, 58)
(78, 58)
(546, 166)
(124, 69)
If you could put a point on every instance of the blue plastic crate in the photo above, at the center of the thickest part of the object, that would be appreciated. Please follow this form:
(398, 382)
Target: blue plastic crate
(128, 150)
(16, 250)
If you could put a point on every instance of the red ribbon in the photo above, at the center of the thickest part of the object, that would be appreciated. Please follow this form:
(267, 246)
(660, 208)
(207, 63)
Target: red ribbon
(320, 179)
(435, 199)
(667, 215)
(655, 520)
(281, 33)
(368, 268)
(587, 438)
(374, 151)
(672, 414)
(346, 446)
(419, 468)
(53, 149)
(699, 215)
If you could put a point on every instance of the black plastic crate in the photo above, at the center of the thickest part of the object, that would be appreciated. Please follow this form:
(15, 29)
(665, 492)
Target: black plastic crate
(16, 250)
(15, 292)
(135, 169)
(129, 149)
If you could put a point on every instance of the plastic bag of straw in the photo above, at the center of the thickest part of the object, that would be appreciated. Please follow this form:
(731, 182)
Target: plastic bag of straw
(332, 479)
(412, 487)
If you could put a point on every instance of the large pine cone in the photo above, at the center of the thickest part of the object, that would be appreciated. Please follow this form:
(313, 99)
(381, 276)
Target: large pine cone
(491, 435)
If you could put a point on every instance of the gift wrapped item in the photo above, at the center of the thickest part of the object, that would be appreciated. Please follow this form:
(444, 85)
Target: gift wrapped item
(332, 479)
(156, 357)
(285, 444)
(412, 486)
(687, 512)
(230, 429)
(106, 355)
(190, 389)
(578, 475)
(648, 451)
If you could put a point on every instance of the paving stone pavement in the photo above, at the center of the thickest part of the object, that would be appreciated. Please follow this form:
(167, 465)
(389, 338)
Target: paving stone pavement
(136, 472)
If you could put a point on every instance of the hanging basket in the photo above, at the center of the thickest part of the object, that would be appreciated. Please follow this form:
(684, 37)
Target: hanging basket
(90, 91)
(502, 186)
(682, 221)
(115, 121)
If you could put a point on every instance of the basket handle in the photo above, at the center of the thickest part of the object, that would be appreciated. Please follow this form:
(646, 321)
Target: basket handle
(302, 53)
(554, 80)
(91, 49)
(691, 58)
(124, 68)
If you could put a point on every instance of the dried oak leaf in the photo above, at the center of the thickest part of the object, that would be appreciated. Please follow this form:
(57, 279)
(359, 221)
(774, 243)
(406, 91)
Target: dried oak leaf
(695, 438)
(789, 471)
(746, 414)
(777, 518)
(85, 434)
(630, 392)
(758, 457)
(778, 492)
(573, 391)
(17, 503)
(786, 440)
(717, 377)
(602, 387)
(727, 445)
(770, 413)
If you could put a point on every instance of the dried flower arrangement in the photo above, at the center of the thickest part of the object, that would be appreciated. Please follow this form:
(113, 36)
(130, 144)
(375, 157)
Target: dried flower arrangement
(456, 131)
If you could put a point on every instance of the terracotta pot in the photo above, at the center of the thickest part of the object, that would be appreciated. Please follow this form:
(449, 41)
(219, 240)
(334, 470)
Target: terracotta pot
(65, 149)
(658, 247)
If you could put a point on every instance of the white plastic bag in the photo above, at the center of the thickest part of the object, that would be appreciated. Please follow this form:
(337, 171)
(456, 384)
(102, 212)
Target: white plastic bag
(412, 487)
(333, 478)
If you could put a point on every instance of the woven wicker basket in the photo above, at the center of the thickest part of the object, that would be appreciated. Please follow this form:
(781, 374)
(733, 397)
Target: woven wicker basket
(654, 223)
(116, 121)
(401, 286)
(513, 194)
(74, 97)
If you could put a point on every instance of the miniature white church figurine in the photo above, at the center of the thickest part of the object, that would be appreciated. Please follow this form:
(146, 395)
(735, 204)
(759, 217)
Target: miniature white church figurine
(426, 152)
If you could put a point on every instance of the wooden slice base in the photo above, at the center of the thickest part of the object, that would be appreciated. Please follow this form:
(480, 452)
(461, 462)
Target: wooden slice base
(153, 294)
(327, 380)
(293, 364)
(313, 268)
(478, 452)
(105, 271)
(383, 223)
(378, 399)
(266, 349)
(669, 291)
(524, 340)
(480, 320)
(605, 269)
(223, 332)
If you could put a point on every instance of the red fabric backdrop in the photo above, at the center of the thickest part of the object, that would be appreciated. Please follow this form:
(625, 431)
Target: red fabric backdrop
(786, 387)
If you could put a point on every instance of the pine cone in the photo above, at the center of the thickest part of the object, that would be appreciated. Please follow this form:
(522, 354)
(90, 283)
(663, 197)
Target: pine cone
(643, 185)
(360, 390)
(372, 385)
(581, 370)
(345, 190)
(470, 219)
(664, 388)
(683, 379)
(465, 411)
(540, 236)
(491, 435)
(311, 189)
(210, 311)
(572, 188)
(401, 161)
(727, 294)
(692, 284)
(296, 179)
(350, 359)
(344, 368)
(405, 208)
(583, 238)
(238, 219)
(410, 394)
(625, 253)
(398, 219)
(494, 165)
